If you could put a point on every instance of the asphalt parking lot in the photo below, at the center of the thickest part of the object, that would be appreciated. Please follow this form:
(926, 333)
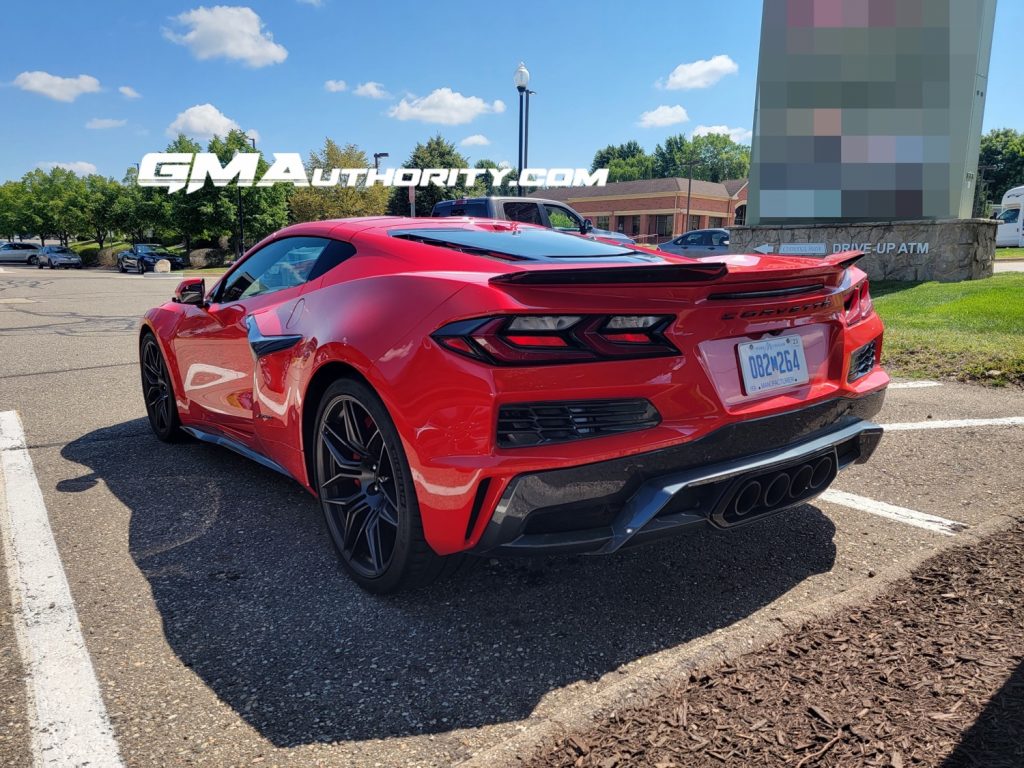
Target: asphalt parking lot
(221, 632)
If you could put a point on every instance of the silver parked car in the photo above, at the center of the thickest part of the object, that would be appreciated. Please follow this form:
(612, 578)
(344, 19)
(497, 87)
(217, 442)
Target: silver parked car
(18, 253)
(54, 256)
(699, 243)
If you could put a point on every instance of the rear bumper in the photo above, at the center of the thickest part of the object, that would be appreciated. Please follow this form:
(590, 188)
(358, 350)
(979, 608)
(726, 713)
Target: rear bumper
(606, 505)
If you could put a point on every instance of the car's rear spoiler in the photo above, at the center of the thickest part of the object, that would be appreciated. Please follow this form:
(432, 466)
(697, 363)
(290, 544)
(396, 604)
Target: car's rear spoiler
(624, 275)
(844, 259)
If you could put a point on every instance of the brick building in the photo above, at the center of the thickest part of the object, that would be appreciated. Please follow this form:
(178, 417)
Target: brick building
(653, 210)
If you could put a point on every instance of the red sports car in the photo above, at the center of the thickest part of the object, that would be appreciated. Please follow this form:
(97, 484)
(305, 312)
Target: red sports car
(452, 386)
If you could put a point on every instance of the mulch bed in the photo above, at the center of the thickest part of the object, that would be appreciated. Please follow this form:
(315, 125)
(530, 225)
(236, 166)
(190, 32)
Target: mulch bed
(929, 673)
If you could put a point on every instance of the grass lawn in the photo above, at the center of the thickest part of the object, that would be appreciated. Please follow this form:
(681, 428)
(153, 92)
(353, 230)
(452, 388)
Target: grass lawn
(206, 271)
(1009, 253)
(961, 330)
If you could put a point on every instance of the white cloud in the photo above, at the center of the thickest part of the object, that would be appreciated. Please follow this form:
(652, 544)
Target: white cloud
(80, 167)
(371, 90)
(446, 107)
(739, 135)
(99, 123)
(699, 74)
(232, 32)
(253, 134)
(334, 86)
(129, 93)
(56, 87)
(662, 116)
(203, 121)
(476, 140)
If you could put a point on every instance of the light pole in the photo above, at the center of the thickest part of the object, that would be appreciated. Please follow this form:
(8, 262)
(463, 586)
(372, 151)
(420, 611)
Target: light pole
(376, 159)
(689, 188)
(238, 188)
(521, 78)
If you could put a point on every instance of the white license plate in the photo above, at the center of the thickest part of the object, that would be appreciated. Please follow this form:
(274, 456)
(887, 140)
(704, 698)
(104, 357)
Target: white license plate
(772, 363)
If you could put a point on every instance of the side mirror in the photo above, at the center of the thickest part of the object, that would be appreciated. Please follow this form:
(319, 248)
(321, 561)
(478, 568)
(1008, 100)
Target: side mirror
(586, 227)
(192, 290)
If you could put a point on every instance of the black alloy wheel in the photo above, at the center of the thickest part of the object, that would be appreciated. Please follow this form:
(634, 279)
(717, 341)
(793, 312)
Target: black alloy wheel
(358, 487)
(120, 266)
(366, 492)
(158, 392)
(140, 265)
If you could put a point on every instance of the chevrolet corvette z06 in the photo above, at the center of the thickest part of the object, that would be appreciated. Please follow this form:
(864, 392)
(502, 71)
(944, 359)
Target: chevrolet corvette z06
(454, 386)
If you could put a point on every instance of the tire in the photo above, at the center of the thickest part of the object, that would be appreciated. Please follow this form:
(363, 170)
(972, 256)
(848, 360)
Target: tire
(367, 467)
(52, 265)
(120, 267)
(140, 266)
(78, 266)
(32, 260)
(158, 391)
(39, 265)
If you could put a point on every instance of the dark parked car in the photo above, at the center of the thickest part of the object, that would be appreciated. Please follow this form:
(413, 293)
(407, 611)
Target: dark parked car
(144, 256)
(698, 243)
(54, 256)
(529, 210)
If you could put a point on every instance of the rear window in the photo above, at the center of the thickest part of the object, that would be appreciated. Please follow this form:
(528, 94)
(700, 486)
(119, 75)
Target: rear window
(477, 208)
(529, 244)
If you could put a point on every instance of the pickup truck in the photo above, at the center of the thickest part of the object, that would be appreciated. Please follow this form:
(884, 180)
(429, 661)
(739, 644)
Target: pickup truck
(529, 210)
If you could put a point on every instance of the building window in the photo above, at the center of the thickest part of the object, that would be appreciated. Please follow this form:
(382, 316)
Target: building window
(632, 225)
(741, 215)
(694, 222)
(715, 222)
(663, 225)
(602, 222)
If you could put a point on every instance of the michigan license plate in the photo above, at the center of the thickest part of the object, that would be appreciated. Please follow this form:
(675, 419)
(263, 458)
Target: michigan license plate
(772, 364)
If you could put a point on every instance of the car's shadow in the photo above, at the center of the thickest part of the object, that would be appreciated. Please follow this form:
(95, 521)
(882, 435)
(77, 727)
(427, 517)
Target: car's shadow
(252, 600)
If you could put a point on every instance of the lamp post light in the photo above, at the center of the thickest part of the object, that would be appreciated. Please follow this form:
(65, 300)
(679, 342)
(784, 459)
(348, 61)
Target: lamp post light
(238, 189)
(521, 78)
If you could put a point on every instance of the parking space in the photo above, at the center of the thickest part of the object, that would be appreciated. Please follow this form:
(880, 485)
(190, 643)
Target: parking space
(221, 632)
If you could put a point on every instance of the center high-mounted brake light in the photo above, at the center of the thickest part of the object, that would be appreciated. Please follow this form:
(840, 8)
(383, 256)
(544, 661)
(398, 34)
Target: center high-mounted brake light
(555, 339)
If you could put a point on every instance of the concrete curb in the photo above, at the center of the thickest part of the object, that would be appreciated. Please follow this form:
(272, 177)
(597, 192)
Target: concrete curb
(671, 667)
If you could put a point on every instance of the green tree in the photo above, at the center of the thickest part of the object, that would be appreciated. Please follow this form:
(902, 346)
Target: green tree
(141, 213)
(264, 209)
(101, 196)
(13, 210)
(340, 201)
(193, 215)
(1000, 166)
(713, 157)
(484, 185)
(604, 158)
(436, 153)
(56, 203)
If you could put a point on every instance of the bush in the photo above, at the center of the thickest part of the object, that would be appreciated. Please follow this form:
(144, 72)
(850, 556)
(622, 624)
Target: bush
(207, 257)
(108, 256)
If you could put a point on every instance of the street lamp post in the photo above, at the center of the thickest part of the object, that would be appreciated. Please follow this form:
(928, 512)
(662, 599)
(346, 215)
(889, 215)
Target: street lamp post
(521, 78)
(376, 159)
(238, 189)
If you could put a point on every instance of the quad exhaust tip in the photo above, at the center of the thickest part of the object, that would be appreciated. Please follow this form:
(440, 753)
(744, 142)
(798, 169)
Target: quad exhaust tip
(769, 492)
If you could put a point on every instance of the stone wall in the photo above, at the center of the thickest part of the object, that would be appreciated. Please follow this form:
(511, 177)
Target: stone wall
(948, 250)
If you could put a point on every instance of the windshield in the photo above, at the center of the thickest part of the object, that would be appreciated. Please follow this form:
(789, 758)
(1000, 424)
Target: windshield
(146, 248)
(60, 249)
(516, 243)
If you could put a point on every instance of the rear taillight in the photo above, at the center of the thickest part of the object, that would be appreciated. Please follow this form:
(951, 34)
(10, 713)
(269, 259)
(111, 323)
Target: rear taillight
(857, 303)
(554, 339)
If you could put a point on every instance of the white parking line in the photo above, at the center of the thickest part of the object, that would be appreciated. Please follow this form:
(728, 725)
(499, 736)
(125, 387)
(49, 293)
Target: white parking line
(892, 512)
(914, 384)
(67, 717)
(1006, 421)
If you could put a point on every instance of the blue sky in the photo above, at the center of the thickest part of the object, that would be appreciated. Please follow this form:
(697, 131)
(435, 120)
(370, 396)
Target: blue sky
(263, 65)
